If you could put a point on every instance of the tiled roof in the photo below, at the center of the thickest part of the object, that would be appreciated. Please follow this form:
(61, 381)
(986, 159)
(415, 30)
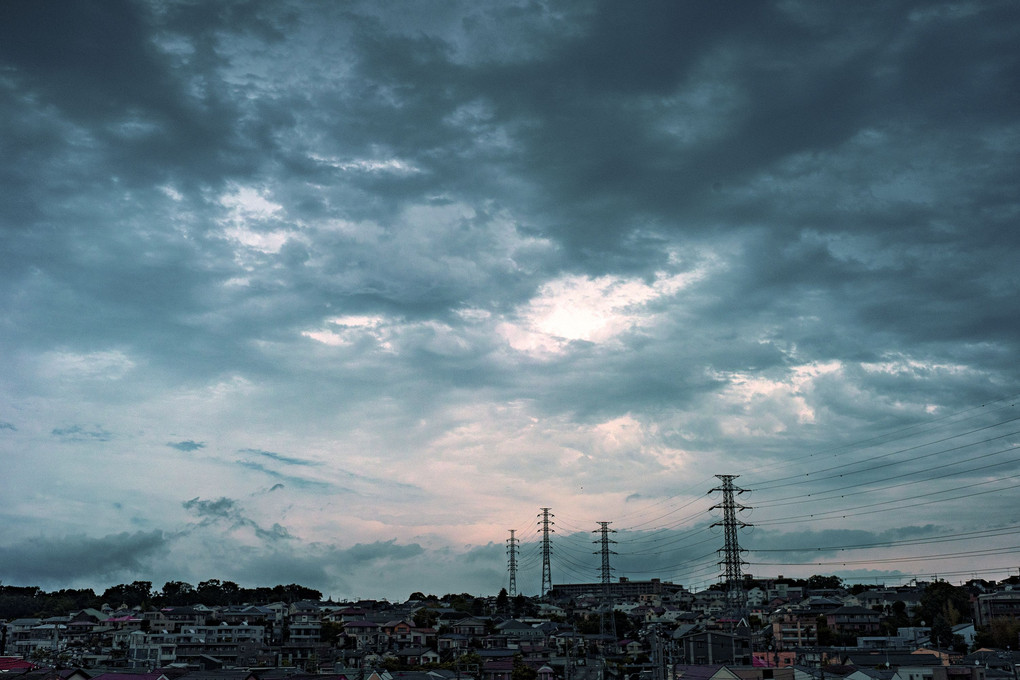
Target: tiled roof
(9, 663)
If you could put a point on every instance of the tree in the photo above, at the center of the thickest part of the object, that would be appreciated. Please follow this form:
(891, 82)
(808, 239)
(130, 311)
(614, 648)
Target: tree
(521, 670)
(523, 606)
(898, 618)
(502, 601)
(425, 618)
(818, 582)
(134, 594)
(178, 593)
(941, 632)
(330, 632)
(940, 606)
(826, 636)
(211, 592)
(231, 592)
(1001, 632)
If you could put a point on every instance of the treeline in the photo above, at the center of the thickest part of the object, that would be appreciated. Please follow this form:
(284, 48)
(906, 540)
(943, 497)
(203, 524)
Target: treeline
(31, 601)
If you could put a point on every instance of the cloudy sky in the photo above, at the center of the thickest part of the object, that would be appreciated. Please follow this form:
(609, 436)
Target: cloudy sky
(340, 293)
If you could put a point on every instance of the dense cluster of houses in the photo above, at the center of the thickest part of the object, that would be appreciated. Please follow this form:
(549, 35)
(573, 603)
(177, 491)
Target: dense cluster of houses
(632, 630)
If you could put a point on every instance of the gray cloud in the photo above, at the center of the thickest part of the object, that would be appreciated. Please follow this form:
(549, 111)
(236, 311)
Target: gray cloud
(219, 508)
(293, 480)
(289, 460)
(458, 258)
(56, 562)
(228, 511)
(82, 433)
(186, 445)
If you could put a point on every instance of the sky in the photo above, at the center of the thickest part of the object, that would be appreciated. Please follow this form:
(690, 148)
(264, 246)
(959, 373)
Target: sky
(339, 294)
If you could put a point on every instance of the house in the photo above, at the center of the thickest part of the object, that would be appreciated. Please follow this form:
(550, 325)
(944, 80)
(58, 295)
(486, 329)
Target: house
(154, 675)
(703, 672)
(365, 634)
(756, 597)
(632, 648)
(872, 658)
(967, 632)
(988, 606)
(745, 673)
(15, 664)
(774, 658)
(939, 673)
(871, 674)
(793, 628)
(471, 627)
(451, 641)
(521, 631)
(183, 617)
(416, 656)
(714, 647)
(853, 620)
(305, 622)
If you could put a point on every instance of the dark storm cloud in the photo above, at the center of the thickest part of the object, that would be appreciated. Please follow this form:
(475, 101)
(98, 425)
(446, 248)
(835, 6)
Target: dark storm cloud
(380, 550)
(346, 225)
(229, 511)
(59, 561)
(186, 445)
(807, 546)
(221, 508)
(93, 59)
(333, 568)
(587, 124)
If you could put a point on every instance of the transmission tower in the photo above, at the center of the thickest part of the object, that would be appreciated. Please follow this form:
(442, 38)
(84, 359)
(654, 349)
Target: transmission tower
(730, 524)
(547, 529)
(511, 551)
(607, 576)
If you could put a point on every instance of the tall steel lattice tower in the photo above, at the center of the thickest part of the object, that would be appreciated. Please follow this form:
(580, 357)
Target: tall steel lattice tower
(547, 529)
(607, 577)
(730, 524)
(511, 562)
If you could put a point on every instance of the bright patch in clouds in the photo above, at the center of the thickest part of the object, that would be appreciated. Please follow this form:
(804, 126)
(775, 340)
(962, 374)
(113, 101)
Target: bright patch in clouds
(108, 365)
(908, 366)
(589, 309)
(390, 165)
(776, 403)
(346, 330)
(247, 208)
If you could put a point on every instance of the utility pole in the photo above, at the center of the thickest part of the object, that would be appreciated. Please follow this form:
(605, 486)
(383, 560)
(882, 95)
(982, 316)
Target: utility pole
(546, 525)
(731, 549)
(607, 576)
(566, 663)
(511, 551)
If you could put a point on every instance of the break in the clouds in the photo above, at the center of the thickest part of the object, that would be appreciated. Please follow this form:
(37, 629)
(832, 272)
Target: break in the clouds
(404, 274)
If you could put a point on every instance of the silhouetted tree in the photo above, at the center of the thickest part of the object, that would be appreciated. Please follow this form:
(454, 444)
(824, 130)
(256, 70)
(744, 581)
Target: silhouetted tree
(133, 594)
(502, 601)
(177, 593)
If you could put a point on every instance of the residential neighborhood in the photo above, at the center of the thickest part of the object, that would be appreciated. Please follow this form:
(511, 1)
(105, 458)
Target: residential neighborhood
(775, 628)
